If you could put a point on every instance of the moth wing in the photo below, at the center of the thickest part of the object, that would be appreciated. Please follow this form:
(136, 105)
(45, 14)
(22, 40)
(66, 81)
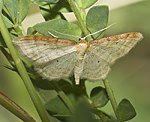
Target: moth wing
(52, 58)
(59, 68)
(103, 52)
(113, 47)
(95, 67)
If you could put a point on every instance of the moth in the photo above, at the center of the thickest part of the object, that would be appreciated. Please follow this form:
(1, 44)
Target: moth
(56, 58)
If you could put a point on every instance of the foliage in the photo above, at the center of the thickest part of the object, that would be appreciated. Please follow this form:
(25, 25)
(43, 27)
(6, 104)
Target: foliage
(70, 103)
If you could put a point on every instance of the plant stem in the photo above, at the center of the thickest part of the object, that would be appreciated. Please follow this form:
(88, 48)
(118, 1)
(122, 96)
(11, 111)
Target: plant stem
(64, 98)
(23, 73)
(81, 19)
(110, 95)
(15, 109)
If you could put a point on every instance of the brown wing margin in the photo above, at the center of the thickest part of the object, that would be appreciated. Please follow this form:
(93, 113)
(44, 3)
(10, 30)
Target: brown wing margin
(131, 35)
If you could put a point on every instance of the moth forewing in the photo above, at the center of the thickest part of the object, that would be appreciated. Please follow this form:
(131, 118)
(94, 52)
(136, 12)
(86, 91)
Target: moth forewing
(113, 47)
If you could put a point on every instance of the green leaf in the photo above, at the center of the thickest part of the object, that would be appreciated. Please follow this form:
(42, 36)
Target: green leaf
(23, 7)
(10, 68)
(53, 11)
(82, 113)
(85, 3)
(125, 111)
(2, 43)
(99, 97)
(61, 6)
(57, 106)
(11, 7)
(7, 55)
(97, 19)
(104, 117)
(49, 1)
(57, 6)
(31, 31)
(1, 5)
(7, 22)
(59, 28)
(17, 10)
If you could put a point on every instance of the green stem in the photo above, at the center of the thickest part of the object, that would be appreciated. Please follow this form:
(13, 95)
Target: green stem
(80, 17)
(101, 114)
(64, 98)
(23, 73)
(15, 109)
(110, 95)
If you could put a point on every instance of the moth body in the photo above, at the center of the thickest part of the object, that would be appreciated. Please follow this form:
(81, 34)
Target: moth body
(81, 52)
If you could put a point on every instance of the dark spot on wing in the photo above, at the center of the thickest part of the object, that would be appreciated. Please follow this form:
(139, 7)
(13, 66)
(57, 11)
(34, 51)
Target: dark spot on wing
(116, 42)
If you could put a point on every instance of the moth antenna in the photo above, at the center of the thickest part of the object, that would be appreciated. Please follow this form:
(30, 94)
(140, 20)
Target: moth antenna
(52, 34)
(83, 38)
(62, 34)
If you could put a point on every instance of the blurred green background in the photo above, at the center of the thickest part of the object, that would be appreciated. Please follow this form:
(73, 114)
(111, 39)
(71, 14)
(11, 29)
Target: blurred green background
(129, 77)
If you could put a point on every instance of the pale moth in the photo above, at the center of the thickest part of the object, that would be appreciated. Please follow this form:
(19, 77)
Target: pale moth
(55, 58)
